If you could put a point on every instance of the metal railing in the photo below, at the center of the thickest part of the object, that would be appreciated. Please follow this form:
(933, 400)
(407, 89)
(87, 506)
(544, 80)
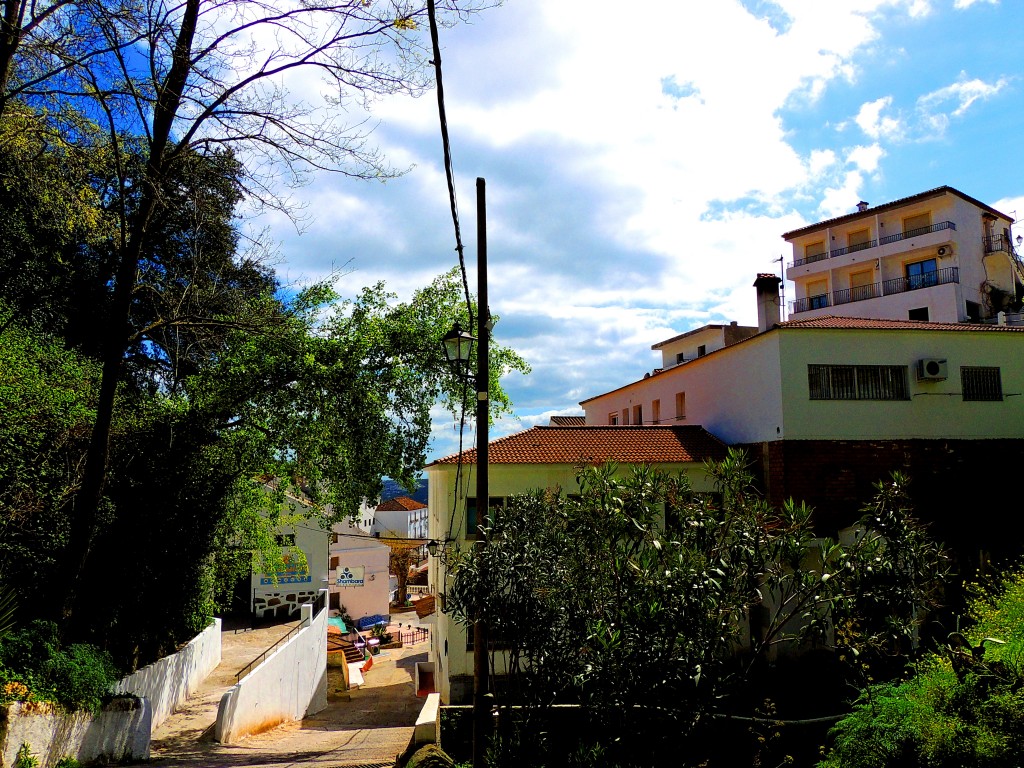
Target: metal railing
(810, 259)
(319, 603)
(853, 248)
(876, 290)
(917, 232)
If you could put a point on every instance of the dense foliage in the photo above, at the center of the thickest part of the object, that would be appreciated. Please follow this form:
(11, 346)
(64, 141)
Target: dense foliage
(650, 605)
(237, 405)
(963, 707)
(35, 666)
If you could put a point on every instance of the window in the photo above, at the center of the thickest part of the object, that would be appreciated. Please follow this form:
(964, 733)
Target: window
(859, 240)
(817, 294)
(680, 405)
(656, 411)
(625, 416)
(702, 350)
(921, 274)
(861, 286)
(493, 502)
(638, 414)
(918, 313)
(973, 310)
(917, 225)
(334, 563)
(613, 419)
(680, 358)
(814, 249)
(858, 382)
(981, 383)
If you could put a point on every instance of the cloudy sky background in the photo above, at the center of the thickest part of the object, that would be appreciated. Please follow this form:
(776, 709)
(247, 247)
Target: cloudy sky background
(643, 162)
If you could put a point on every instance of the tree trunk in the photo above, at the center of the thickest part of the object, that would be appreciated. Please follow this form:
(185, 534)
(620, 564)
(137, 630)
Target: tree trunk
(85, 507)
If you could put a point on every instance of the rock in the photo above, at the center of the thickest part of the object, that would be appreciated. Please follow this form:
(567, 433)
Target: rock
(429, 756)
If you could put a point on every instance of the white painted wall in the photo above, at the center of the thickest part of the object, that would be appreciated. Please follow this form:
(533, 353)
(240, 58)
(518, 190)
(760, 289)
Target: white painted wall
(290, 684)
(733, 393)
(120, 732)
(757, 391)
(168, 682)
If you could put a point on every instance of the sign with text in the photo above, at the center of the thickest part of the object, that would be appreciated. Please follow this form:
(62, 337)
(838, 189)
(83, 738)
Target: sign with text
(350, 576)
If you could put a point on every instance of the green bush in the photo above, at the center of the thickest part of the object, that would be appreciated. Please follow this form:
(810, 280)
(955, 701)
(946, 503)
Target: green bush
(34, 667)
(964, 706)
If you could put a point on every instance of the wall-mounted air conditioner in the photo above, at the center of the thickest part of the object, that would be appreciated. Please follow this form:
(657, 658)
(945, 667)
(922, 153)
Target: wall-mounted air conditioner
(944, 250)
(931, 369)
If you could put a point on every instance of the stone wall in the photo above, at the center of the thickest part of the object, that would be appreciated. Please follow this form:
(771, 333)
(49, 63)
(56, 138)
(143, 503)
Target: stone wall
(282, 604)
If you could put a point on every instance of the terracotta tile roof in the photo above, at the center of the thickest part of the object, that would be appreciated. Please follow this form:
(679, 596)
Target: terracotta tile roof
(894, 204)
(572, 445)
(833, 322)
(399, 504)
(568, 421)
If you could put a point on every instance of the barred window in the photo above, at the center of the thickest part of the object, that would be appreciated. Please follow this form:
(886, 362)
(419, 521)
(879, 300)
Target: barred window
(979, 383)
(858, 382)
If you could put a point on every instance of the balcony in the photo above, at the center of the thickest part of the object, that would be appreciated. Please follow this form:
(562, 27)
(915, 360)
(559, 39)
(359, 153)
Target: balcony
(875, 243)
(877, 290)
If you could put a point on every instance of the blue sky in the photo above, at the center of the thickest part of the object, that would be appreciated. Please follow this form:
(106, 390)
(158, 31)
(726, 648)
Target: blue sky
(641, 169)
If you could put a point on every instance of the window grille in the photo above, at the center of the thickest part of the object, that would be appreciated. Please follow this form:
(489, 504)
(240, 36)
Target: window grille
(981, 383)
(858, 382)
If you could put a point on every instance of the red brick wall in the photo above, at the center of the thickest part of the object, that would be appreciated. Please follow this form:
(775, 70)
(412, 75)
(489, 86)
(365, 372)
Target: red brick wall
(968, 490)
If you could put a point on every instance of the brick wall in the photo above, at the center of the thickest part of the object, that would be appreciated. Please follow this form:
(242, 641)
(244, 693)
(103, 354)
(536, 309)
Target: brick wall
(966, 489)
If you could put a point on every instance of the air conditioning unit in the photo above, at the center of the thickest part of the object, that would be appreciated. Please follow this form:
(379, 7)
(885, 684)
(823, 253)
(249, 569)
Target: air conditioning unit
(944, 250)
(931, 369)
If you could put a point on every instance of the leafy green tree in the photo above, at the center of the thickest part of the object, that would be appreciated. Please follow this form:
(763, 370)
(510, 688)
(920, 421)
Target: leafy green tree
(649, 605)
(964, 705)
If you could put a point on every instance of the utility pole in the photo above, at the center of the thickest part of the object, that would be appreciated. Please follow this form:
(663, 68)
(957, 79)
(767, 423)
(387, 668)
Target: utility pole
(481, 710)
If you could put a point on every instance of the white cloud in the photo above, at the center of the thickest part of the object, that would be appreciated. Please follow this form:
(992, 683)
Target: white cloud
(866, 158)
(962, 4)
(963, 93)
(842, 199)
(874, 124)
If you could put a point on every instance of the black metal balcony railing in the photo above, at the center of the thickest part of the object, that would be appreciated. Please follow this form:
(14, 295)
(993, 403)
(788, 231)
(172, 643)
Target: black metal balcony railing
(853, 248)
(916, 232)
(811, 259)
(876, 290)
(873, 243)
(997, 243)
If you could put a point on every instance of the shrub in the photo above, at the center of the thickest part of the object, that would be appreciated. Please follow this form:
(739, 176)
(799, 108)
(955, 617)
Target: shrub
(964, 706)
(33, 667)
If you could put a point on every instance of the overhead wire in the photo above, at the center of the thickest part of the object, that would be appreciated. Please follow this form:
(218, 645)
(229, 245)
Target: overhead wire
(453, 201)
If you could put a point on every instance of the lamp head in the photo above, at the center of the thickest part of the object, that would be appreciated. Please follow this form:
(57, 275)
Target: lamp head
(458, 345)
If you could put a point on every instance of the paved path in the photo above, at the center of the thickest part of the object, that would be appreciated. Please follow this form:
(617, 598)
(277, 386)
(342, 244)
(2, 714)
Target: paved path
(368, 726)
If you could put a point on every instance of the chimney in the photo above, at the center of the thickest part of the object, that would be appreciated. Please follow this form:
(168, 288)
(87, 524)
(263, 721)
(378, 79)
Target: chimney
(862, 206)
(768, 306)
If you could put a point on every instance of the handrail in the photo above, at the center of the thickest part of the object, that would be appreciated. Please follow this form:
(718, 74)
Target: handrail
(319, 603)
(262, 657)
(873, 243)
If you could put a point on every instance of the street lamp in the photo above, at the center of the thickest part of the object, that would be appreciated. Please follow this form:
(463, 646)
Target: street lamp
(458, 345)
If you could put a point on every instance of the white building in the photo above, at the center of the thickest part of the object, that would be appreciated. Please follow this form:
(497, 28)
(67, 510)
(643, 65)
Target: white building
(401, 517)
(939, 255)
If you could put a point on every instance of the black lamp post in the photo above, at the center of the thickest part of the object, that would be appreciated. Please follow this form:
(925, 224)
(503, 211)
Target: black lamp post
(458, 348)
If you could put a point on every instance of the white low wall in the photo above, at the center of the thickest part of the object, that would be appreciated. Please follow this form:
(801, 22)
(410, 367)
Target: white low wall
(168, 682)
(120, 732)
(290, 684)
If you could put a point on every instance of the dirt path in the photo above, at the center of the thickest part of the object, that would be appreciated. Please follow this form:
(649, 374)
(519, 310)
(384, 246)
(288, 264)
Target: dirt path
(368, 726)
